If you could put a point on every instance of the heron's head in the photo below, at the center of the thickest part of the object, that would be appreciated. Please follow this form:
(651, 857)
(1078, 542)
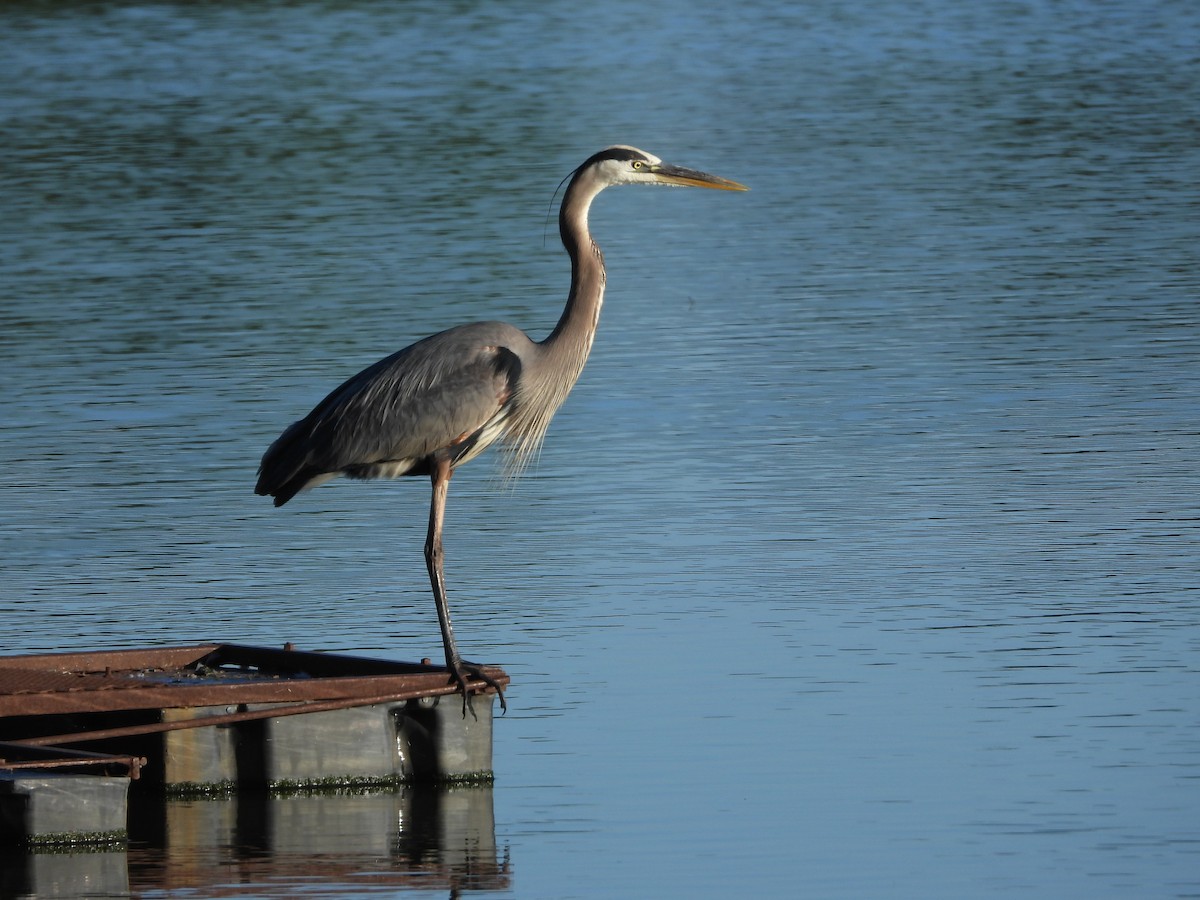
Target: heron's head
(628, 165)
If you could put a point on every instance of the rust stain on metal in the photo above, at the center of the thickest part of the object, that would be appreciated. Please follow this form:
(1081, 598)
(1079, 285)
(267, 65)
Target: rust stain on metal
(207, 675)
(18, 756)
(271, 711)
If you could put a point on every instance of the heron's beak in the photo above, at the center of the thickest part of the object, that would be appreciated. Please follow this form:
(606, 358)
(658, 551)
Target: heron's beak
(667, 174)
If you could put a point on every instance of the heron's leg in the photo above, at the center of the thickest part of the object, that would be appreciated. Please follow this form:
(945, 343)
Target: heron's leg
(434, 561)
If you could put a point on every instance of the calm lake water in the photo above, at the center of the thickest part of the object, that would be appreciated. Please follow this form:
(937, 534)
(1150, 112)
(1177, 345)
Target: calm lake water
(862, 561)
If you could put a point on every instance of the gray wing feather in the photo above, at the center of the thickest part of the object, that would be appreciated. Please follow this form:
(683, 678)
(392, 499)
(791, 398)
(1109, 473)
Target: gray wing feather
(437, 393)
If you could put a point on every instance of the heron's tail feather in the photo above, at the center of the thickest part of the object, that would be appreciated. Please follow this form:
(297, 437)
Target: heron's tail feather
(286, 469)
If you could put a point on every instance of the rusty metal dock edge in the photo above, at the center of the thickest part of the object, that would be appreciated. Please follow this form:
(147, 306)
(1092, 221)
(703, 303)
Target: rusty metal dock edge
(225, 716)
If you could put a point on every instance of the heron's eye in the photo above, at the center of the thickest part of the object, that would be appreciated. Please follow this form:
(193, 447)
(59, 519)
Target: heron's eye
(637, 164)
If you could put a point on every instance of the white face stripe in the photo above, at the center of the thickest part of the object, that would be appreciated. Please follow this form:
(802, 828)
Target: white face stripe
(623, 171)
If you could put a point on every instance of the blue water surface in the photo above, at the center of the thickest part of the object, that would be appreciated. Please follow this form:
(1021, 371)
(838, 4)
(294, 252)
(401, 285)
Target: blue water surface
(862, 560)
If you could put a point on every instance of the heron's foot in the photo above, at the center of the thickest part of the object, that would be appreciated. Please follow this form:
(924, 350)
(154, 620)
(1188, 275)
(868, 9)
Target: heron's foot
(459, 673)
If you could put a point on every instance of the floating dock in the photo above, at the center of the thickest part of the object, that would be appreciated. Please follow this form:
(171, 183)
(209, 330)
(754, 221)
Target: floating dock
(216, 718)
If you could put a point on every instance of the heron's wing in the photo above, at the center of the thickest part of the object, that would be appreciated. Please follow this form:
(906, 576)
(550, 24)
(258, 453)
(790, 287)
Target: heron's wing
(448, 391)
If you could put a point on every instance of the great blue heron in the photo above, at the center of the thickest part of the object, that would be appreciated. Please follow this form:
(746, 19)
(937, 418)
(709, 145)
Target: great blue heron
(439, 403)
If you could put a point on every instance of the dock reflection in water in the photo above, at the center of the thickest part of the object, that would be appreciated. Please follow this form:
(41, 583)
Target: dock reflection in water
(412, 837)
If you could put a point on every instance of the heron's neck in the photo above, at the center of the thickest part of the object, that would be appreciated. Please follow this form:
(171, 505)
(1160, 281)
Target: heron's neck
(571, 339)
(553, 371)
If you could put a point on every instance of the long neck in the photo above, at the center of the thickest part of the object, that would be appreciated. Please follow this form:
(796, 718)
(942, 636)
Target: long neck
(571, 340)
(552, 371)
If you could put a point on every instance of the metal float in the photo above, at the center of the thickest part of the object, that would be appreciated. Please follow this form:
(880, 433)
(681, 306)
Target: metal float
(220, 717)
